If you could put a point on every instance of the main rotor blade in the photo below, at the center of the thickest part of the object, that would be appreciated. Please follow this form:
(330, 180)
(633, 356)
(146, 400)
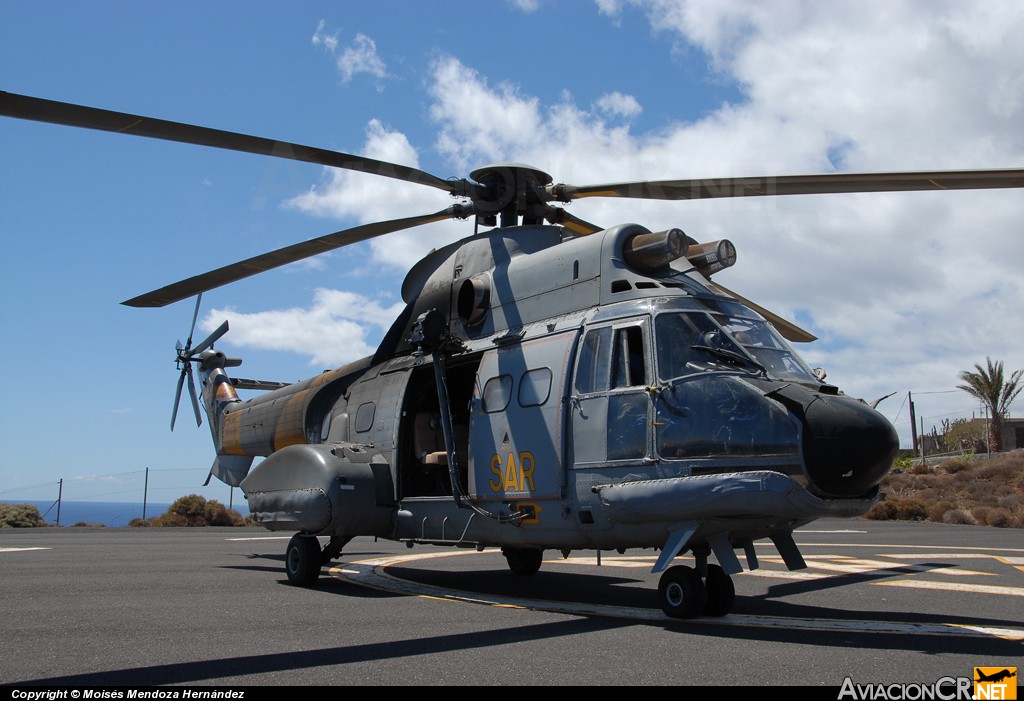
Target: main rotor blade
(580, 227)
(789, 330)
(40, 110)
(283, 256)
(769, 186)
(211, 339)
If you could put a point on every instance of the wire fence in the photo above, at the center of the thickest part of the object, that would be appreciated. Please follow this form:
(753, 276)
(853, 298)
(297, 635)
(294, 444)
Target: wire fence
(114, 499)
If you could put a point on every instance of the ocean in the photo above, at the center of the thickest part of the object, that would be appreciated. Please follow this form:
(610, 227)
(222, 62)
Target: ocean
(112, 514)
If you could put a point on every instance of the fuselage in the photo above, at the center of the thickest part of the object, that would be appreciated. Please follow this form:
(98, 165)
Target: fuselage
(591, 405)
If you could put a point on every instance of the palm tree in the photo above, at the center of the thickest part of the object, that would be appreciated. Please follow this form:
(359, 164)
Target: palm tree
(988, 385)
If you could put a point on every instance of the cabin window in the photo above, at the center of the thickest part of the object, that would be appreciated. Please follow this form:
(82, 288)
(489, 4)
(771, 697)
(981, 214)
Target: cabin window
(535, 387)
(364, 417)
(497, 393)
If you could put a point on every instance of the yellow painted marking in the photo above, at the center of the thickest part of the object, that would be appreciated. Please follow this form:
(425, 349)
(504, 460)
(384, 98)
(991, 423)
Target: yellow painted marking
(373, 574)
(952, 586)
(19, 550)
(937, 185)
(1015, 561)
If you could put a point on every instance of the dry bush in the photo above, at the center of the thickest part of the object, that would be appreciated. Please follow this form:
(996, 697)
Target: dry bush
(937, 509)
(987, 492)
(956, 465)
(1001, 518)
(959, 516)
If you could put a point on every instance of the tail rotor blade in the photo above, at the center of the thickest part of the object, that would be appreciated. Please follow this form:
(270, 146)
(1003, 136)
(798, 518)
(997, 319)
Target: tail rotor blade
(177, 398)
(192, 395)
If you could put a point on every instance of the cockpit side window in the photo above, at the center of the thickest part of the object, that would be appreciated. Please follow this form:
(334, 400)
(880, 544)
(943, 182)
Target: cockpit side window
(593, 368)
(629, 364)
(676, 335)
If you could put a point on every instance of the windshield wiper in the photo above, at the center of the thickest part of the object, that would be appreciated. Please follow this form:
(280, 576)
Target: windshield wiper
(727, 354)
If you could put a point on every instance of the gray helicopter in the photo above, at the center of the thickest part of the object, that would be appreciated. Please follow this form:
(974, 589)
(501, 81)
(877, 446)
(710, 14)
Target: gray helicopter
(550, 385)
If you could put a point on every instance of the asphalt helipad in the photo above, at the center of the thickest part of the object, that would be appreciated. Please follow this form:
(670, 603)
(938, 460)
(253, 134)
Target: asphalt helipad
(879, 603)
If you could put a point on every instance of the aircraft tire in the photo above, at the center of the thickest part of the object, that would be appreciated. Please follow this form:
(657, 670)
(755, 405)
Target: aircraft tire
(523, 561)
(721, 593)
(302, 560)
(681, 592)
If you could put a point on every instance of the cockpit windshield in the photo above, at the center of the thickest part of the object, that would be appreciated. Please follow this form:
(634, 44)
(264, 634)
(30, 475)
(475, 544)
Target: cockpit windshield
(694, 342)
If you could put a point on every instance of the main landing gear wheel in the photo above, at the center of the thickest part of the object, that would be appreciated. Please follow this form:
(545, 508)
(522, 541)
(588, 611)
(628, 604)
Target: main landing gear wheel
(721, 593)
(523, 561)
(681, 592)
(302, 560)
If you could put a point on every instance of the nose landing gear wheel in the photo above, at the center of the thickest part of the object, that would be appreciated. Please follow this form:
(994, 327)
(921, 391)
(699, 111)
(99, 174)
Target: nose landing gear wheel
(681, 592)
(302, 560)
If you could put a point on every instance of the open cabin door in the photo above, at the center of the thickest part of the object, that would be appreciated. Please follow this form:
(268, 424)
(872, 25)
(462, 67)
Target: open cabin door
(517, 428)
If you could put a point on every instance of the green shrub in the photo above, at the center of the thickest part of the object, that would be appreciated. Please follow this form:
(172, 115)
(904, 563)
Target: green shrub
(20, 516)
(193, 510)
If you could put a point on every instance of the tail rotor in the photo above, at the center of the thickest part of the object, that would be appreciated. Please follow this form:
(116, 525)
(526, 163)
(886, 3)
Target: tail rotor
(185, 356)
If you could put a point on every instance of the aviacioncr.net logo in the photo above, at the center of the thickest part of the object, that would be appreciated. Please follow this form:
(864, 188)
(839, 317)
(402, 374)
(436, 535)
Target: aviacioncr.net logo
(945, 689)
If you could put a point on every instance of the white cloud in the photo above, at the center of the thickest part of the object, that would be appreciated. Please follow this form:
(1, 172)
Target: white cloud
(333, 330)
(322, 38)
(526, 5)
(619, 104)
(358, 57)
(612, 8)
(361, 57)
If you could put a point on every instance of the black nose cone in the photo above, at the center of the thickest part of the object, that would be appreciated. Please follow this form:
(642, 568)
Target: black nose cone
(848, 446)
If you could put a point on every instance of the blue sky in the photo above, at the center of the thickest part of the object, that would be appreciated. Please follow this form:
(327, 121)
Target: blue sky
(903, 290)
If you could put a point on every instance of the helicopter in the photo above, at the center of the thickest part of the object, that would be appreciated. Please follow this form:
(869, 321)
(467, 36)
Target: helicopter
(551, 384)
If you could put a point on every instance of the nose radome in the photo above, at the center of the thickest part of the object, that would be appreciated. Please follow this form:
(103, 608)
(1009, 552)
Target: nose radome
(848, 446)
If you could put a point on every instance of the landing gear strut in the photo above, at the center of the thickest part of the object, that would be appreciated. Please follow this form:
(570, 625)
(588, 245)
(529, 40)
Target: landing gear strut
(683, 594)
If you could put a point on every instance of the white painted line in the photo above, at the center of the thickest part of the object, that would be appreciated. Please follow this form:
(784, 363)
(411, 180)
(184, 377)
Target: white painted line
(974, 548)
(20, 550)
(849, 565)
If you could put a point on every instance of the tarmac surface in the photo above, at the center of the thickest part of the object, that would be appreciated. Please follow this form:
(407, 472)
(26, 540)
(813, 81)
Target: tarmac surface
(880, 602)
